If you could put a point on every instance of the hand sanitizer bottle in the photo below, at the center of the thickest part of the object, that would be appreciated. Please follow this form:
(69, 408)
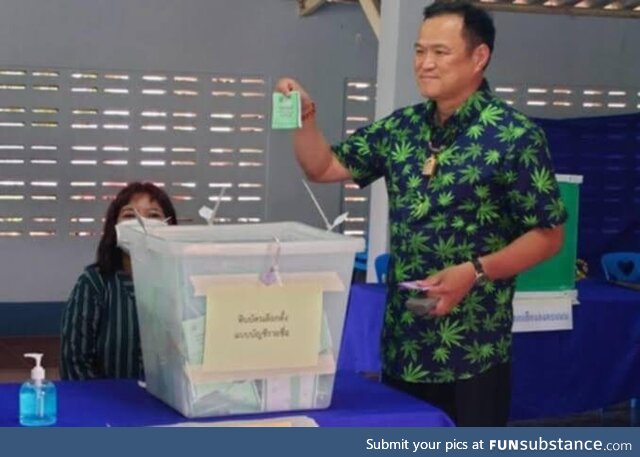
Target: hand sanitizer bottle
(38, 404)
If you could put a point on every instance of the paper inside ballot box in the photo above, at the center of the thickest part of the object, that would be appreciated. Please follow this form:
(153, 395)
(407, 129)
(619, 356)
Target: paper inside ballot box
(289, 421)
(252, 327)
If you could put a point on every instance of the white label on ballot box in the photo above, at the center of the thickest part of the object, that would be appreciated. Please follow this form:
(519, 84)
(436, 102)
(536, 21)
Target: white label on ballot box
(543, 311)
(259, 327)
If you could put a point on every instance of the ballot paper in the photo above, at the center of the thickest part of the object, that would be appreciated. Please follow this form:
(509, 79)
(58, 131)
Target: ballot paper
(286, 111)
(289, 421)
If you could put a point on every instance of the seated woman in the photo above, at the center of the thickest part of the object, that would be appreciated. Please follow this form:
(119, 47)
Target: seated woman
(100, 336)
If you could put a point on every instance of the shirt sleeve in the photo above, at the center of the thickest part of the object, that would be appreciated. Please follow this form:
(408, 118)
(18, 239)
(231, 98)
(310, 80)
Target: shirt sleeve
(363, 153)
(533, 192)
(78, 359)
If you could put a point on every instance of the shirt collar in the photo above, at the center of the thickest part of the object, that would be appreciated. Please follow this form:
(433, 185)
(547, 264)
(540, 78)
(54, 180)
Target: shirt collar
(467, 112)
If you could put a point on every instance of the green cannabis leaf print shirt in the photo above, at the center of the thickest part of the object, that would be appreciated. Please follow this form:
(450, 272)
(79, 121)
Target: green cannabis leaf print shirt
(493, 182)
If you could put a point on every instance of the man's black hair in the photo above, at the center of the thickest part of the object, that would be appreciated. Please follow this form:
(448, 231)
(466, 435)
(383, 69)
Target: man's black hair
(478, 24)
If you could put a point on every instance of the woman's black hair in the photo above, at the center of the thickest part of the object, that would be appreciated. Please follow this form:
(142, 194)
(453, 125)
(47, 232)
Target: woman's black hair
(108, 254)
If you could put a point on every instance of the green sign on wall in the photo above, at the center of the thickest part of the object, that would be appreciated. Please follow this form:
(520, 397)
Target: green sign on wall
(558, 272)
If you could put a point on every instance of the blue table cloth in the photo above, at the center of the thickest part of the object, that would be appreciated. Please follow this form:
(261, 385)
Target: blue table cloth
(554, 373)
(122, 403)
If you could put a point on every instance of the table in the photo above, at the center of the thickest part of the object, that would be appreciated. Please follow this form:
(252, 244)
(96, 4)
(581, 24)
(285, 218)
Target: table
(357, 401)
(554, 373)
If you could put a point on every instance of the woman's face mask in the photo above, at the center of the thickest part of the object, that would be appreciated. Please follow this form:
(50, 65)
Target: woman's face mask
(141, 207)
(124, 243)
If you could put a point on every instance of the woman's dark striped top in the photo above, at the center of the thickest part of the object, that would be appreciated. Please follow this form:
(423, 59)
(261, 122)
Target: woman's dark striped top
(100, 335)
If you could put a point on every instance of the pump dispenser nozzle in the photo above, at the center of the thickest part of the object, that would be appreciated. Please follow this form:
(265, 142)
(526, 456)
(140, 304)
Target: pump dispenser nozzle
(37, 372)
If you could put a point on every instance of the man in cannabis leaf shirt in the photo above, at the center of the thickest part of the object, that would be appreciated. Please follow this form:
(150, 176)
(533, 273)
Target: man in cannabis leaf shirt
(473, 201)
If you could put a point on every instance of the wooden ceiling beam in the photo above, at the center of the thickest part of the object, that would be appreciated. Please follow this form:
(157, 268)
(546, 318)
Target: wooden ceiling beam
(307, 7)
(371, 10)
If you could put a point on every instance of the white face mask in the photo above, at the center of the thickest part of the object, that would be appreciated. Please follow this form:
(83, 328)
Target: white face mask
(148, 222)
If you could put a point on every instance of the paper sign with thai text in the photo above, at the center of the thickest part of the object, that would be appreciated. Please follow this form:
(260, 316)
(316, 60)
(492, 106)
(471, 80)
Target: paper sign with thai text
(259, 327)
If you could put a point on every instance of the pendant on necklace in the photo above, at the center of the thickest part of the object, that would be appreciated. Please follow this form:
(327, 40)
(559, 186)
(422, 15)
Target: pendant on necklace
(429, 167)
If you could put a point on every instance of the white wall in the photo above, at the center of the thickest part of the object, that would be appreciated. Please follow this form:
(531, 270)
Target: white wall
(265, 37)
(538, 49)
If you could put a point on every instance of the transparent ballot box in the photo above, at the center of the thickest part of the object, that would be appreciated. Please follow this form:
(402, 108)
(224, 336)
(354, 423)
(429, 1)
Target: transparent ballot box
(241, 318)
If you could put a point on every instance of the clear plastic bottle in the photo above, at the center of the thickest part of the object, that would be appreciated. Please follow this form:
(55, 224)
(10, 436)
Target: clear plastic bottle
(38, 402)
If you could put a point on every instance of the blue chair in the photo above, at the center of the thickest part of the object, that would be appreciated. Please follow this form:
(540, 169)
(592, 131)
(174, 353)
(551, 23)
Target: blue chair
(382, 267)
(622, 267)
(360, 262)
